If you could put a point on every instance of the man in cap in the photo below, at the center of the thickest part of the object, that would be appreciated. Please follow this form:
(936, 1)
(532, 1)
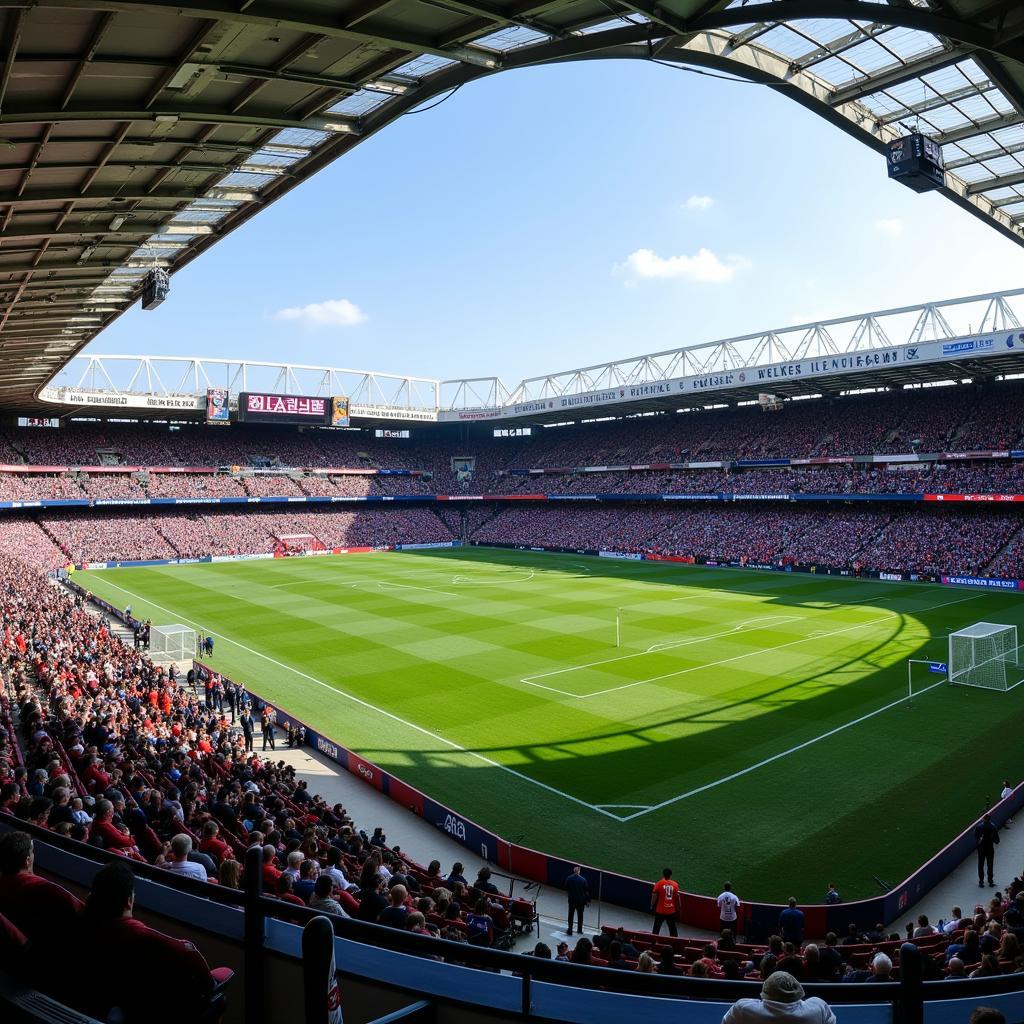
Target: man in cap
(782, 999)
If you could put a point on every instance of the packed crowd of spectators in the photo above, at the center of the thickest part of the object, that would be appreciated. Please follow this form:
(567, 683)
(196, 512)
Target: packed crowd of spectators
(949, 419)
(922, 540)
(988, 477)
(150, 764)
(936, 539)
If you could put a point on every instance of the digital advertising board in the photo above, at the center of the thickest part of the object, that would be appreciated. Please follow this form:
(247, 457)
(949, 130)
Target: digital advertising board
(257, 407)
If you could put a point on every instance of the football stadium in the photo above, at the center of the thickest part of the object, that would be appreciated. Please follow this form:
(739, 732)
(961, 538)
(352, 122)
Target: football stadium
(676, 685)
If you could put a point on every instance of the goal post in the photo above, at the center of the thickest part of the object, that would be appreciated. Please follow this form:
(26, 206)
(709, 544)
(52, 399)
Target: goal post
(172, 643)
(924, 675)
(985, 655)
(300, 542)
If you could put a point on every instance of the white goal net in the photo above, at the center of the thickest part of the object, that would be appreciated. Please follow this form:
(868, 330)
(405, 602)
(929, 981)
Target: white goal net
(172, 643)
(985, 655)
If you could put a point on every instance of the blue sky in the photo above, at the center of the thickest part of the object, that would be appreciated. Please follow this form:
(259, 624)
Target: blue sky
(561, 216)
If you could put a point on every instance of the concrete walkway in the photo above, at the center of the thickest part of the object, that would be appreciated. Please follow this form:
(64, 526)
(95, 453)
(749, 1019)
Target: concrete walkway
(961, 889)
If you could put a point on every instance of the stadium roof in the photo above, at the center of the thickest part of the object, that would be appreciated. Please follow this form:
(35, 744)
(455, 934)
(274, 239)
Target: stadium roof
(974, 337)
(134, 135)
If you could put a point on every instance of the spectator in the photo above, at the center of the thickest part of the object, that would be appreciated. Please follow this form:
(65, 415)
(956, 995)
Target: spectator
(41, 909)
(109, 934)
(395, 913)
(664, 903)
(791, 923)
(325, 897)
(178, 862)
(782, 999)
(728, 909)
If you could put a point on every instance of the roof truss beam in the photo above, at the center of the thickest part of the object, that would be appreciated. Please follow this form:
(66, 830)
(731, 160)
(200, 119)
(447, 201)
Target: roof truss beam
(899, 75)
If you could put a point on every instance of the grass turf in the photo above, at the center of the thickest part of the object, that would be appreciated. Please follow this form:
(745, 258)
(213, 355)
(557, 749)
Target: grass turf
(491, 680)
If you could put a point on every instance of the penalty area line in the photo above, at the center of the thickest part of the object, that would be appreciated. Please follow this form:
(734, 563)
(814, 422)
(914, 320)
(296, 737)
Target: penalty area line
(780, 755)
(381, 711)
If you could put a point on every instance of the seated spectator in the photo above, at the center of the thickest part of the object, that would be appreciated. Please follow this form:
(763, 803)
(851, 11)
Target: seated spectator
(480, 924)
(782, 999)
(989, 967)
(178, 862)
(955, 969)
(285, 891)
(108, 835)
(230, 874)
(271, 873)
(582, 951)
(41, 909)
(483, 882)
(108, 934)
(417, 924)
(615, 958)
(923, 928)
(395, 913)
(212, 845)
(324, 897)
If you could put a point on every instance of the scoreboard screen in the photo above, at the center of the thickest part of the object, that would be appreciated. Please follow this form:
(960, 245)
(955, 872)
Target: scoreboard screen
(256, 407)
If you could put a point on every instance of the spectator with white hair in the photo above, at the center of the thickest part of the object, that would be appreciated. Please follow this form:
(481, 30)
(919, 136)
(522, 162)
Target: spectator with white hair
(177, 858)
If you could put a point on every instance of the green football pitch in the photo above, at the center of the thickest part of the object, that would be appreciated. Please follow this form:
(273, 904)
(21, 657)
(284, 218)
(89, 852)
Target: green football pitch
(751, 726)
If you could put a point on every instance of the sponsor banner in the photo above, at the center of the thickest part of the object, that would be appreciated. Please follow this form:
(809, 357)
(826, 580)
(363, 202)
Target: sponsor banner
(761, 497)
(979, 346)
(631, 556)
(80, 396)
(892, 576)
(982, 581)
(974, 455)
(973, 497)
(241, 558)
(693, 497)
(479, 414)
(683, 559)
(749, 463)
(460, 497)
(422, 547)
(387, 412)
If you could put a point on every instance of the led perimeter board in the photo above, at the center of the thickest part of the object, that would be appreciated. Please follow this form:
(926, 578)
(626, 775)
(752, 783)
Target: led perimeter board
(256, 407)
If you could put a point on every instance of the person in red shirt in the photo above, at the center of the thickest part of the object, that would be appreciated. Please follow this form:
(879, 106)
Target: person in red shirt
(270, 872)
(665, 903)
(213, 845)
(108, 933)
(41, 909)
(110, 837)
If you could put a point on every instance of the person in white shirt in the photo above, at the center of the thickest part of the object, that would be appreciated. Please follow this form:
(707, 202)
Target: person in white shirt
(782, 999)
(178, 862)
(1007, 791)
(728, 909)
(954, 922)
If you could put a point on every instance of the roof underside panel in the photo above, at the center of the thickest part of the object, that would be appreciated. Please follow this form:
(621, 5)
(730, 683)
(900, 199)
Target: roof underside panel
(134, 135)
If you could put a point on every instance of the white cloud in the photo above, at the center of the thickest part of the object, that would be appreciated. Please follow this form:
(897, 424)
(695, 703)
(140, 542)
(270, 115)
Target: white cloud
(331, 313)
(699, 203)
(705, 266)
(891, 226)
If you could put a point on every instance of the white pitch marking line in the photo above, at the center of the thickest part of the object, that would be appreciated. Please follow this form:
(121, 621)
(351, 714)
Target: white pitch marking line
(780, 755)
(670, 645)
(764, 650)
(387, 714)
(492, 581)
(641, 654)
(405, 586)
